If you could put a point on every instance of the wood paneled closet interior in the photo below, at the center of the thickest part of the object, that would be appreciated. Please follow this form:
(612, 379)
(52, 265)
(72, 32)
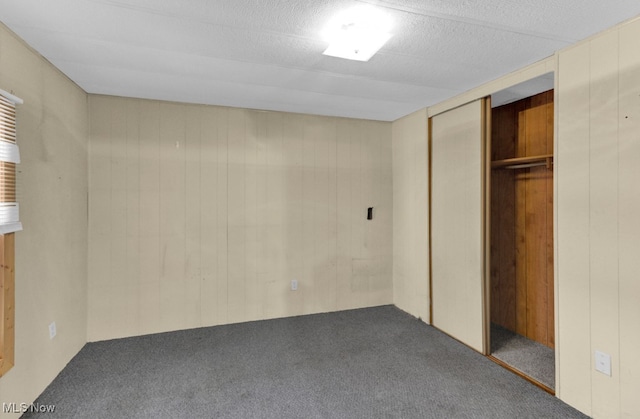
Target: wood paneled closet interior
(521, 261)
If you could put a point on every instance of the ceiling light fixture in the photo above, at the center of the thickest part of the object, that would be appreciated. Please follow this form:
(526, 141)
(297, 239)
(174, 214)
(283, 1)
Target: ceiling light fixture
(357, 33)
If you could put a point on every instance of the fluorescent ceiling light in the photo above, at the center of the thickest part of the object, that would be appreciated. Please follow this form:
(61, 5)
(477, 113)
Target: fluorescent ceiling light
(357, 33)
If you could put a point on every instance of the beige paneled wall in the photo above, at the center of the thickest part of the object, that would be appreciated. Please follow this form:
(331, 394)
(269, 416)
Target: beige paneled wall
(410, 215)
(628, 226)
(598, 203)
(202, 215)
(51, 252)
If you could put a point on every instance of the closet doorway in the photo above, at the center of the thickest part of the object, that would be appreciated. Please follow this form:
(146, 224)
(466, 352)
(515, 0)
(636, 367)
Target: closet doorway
(521, 267)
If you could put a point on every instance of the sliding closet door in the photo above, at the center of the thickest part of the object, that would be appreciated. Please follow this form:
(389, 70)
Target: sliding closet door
(457, 203)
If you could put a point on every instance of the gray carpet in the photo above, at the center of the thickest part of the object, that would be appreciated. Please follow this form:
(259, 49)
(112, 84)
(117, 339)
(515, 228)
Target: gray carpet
(369, 363)
(532, 358)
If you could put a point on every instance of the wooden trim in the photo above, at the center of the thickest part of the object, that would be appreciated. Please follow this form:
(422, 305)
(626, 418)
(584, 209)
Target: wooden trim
(556, 272)
(522, 375)
(429, 242)
(486, 222)
(7, 302)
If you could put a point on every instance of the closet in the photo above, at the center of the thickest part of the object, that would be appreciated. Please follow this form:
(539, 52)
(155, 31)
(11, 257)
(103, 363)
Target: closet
(521, 284)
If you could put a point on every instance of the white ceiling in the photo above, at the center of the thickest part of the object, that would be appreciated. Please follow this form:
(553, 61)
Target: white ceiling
(267, 54)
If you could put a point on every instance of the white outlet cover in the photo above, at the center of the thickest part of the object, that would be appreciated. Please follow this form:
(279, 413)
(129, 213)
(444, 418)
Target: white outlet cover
(603, 363)
(294, 285)
(52, 330)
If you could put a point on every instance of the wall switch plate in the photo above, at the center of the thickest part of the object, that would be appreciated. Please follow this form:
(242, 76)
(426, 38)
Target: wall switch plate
(52, 330)
(294, 285)
(603, 363)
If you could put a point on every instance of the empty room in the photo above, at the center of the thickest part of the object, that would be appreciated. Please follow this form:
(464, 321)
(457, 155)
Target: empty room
(322, 209)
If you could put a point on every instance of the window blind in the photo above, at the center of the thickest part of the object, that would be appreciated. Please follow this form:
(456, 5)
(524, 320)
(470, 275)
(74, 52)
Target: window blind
(9, 157)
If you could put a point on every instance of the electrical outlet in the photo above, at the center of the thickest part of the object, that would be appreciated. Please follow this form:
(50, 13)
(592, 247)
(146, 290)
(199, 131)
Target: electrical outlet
(294, 285)
(603, 363)
(52, 330)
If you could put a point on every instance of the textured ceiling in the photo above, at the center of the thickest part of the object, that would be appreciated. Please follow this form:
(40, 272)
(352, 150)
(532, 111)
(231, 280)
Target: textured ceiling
(268, 54)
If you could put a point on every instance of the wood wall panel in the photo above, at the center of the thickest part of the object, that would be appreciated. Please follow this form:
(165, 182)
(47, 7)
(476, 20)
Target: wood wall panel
(603, 220)
(132, 170)
(358, 138)
(572, 170)
(380, 231)
(172, 218)
(222, 192)
(628, 220)
(504, 131)
(193, 216)
(7, 303)
(538, 125)
(209, 198)
(254, 292)
(410, 215)
(521, 184)
(213, 211)
(343, 198)
(237, 216)
(294, 155)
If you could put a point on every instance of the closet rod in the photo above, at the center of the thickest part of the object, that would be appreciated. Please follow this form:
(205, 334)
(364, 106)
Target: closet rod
(526, 165)
(523, 162)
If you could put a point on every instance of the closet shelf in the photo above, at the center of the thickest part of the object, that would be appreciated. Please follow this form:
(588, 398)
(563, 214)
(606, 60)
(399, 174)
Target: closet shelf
(523, 162)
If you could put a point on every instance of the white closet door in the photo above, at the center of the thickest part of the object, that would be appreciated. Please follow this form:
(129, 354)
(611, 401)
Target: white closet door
(457, 202)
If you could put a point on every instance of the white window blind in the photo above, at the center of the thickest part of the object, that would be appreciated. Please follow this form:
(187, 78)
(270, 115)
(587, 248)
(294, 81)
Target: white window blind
(9, 157)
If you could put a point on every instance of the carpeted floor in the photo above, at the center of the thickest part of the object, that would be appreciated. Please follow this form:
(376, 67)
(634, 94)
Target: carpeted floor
(532, 358)
(368, 363)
